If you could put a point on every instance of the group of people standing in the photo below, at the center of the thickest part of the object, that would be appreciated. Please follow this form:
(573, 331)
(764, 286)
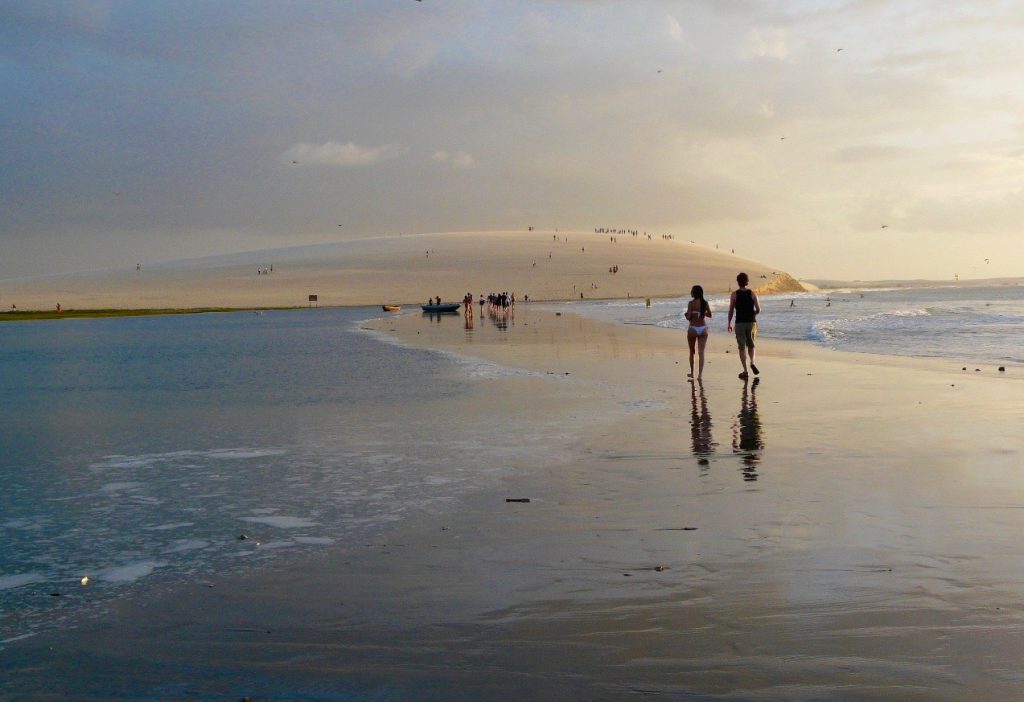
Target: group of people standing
(744, 306)
(503, 300)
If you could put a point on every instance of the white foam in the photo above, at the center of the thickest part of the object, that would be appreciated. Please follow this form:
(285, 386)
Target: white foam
(281, 522)
(166, 527)
(120, 487)
(230, 454)
(271, 545)
(16, 638)
(474, 367)
(146, 460)
(17, 524)
(186, 545)
(9, 582)
(130, 572)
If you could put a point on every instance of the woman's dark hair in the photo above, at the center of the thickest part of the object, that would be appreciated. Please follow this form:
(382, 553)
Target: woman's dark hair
(742, 279)
(697, 293)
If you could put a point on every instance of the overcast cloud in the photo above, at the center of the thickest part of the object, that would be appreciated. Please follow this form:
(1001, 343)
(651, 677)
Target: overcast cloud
(790, 131)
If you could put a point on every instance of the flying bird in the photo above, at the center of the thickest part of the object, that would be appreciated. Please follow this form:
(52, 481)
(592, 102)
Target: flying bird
(839, 49)
(885, 226)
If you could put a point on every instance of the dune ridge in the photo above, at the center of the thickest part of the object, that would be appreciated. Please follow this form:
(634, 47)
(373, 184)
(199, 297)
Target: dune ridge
(544, 265)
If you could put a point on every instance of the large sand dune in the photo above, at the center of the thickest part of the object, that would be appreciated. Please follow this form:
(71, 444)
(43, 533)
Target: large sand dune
(545, 265)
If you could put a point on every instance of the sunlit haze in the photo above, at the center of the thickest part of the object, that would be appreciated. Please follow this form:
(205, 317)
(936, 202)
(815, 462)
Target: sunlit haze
(862, 139)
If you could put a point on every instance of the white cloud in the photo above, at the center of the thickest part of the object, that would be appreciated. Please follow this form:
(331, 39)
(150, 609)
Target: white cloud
(460, 159)
(333, 153)
(675, 30)
(767, 43)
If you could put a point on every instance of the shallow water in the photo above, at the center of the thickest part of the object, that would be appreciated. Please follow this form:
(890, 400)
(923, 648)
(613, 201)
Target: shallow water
(865, 549)
(978, 325)
(138, 451)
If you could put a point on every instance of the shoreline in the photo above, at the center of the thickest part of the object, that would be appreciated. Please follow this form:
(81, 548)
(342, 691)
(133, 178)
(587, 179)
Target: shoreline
(36, 315)
(802, 534)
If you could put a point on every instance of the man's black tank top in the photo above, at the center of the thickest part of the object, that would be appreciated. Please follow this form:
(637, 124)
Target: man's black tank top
(745, 306)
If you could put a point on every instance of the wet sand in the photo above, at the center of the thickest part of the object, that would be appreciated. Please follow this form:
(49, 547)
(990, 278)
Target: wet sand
(846, 527)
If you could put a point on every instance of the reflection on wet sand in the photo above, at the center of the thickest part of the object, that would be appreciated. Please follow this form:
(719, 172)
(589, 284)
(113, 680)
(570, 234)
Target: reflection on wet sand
(502, 316)
(700, 423)
(747, 435)
(436, 316)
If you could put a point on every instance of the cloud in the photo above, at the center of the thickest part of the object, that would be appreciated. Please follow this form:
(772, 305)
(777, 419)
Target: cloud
(460, 159)
(333, 153)
(863, 153)
(675, 30)
(767, 43)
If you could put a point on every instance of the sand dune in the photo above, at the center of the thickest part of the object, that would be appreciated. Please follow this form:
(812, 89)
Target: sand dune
(545, 265)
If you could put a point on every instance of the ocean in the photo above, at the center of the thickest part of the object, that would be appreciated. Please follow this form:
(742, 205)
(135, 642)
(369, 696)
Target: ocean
(138, 452)
(967, 324)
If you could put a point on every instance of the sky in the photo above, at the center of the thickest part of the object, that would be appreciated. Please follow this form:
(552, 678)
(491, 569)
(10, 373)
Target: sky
(844, 139)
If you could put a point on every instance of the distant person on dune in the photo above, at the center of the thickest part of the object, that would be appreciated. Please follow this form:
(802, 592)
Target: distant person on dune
(745, 305)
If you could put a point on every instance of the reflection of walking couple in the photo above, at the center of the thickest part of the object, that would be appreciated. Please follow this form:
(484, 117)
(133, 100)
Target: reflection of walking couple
(747, 433)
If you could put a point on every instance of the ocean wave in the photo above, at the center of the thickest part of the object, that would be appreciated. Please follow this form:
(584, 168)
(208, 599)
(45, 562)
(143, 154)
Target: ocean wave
(147, 460)
(9, 582)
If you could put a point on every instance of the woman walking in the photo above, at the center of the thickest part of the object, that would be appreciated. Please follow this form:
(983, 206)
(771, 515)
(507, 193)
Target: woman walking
(697, 310)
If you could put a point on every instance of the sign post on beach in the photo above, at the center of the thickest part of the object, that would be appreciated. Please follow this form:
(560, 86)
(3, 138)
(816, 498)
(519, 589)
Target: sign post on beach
(312, 299)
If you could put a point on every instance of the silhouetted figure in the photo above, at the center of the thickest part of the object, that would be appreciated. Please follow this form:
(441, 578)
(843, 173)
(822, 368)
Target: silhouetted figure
(747, 434)
(700, 422)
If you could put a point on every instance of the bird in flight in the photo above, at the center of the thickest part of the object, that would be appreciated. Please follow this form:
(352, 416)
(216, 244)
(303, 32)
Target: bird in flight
(885, 226)
(839, 49)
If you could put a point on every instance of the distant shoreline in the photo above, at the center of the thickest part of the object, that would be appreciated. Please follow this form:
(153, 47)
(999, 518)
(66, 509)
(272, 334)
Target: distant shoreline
(36, 315)
(824, 284)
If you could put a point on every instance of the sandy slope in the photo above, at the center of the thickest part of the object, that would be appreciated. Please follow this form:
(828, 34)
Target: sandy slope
(542, 264)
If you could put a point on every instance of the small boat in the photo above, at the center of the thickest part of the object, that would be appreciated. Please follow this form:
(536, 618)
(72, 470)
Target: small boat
(392, 308)
(445, 307)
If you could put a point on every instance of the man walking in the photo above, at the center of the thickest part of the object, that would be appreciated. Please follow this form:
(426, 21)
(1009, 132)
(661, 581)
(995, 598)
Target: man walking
(745, 305)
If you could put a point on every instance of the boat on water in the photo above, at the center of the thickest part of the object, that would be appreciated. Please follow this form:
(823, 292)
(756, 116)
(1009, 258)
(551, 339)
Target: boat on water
(444, 307)
(392, 308)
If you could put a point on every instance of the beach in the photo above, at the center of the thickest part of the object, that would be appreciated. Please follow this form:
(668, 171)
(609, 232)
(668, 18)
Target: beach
(843, 527)
(545, 265)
